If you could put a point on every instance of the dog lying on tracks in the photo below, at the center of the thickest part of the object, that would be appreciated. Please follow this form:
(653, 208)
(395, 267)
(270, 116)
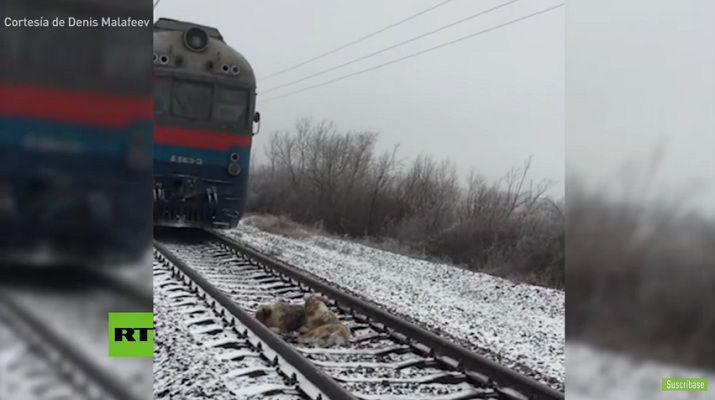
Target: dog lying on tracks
(282, 317)
(317, 313)
(323, 327)
(335, 334)
(314, 321)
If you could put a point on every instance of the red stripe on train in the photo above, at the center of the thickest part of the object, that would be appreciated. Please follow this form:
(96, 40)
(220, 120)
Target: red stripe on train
(73, 106)
(199, 138)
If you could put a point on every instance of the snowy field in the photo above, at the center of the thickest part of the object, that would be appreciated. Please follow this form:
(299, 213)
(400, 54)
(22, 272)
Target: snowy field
(197, 356)
(596, 374)
(79, 317)
(182, 368)
(518, 325)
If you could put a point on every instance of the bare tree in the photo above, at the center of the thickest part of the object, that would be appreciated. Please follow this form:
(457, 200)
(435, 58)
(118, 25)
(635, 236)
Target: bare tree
(317, 174)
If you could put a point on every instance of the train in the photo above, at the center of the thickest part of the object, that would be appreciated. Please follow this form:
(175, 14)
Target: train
(204, 122)
(75, 136)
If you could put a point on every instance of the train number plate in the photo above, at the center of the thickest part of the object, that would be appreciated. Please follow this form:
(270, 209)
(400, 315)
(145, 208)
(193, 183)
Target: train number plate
(186, 160)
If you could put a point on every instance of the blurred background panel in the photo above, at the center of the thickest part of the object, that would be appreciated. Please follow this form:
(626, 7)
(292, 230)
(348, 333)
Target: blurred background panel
(75, 139)
(640, 195)
(75, 196)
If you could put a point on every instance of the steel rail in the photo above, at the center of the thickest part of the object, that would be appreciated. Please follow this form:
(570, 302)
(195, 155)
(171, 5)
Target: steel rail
(466, 360)
(325, 383)
(36, 334)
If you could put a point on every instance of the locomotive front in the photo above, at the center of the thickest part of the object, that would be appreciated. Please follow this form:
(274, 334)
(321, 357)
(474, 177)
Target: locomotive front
(75, 137)
(204, 113)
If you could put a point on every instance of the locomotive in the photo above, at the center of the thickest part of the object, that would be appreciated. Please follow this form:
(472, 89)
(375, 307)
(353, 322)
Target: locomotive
(204, 118)
(75, 137)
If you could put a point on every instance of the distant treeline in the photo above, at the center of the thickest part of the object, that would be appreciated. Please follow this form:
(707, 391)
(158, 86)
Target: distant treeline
(319, 175)
(641, 275)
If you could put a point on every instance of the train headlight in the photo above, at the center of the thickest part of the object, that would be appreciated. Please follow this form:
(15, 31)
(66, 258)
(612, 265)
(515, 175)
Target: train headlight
(233, 168)
(196, 39)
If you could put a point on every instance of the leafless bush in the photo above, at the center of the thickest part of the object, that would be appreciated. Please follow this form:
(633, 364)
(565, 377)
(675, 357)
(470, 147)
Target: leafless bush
(509, 228)
(427, 193)
(644, 270)
(319, 175)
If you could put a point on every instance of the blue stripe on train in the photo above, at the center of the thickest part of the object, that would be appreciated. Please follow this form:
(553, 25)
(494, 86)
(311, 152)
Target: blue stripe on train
(31, 143)
(187, 158)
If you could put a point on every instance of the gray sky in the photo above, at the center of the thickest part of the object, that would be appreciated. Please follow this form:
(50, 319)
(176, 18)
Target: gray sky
(487, 103)
(640, 85)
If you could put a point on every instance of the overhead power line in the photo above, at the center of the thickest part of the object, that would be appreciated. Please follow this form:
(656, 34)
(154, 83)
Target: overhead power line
(356, 41)
(402, 43)
(460, 39)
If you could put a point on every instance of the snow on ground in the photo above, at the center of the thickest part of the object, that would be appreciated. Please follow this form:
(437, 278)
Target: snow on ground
(27, 375)
(186, 367)
(595, 374)
(518, 325)
(182, 368)
(80, 318)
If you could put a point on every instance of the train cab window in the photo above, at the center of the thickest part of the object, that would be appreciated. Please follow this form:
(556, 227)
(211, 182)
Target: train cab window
(191, 99)
(231, 105)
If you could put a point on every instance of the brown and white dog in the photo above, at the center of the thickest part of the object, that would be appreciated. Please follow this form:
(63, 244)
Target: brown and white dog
(323, 327)
(282, 317)
(333, 334)
(317, 313)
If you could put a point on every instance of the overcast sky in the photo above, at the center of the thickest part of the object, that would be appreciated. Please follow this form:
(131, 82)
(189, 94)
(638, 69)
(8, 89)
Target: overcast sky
(487, 103)
(640, 85)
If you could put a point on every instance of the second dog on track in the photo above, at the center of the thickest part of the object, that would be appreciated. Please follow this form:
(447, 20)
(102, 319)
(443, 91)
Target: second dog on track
(335, 334)
(323, 327)
(317, 313)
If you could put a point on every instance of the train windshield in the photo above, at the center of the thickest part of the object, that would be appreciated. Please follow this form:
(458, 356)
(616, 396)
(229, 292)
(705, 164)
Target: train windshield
(231, 105)
(223, 105)
(191, 99)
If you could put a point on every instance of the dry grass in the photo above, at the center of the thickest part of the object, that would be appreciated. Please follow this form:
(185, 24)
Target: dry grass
(279, 225)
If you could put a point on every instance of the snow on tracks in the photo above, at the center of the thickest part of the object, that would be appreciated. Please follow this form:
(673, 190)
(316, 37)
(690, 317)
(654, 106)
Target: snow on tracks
(518, 325)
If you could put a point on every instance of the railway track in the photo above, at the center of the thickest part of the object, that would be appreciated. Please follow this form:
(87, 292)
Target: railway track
(38, 360)
(387, 358)
(255, 364)
(25, 374)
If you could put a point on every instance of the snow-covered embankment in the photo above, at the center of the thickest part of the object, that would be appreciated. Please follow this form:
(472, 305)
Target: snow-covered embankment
(518, 325)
